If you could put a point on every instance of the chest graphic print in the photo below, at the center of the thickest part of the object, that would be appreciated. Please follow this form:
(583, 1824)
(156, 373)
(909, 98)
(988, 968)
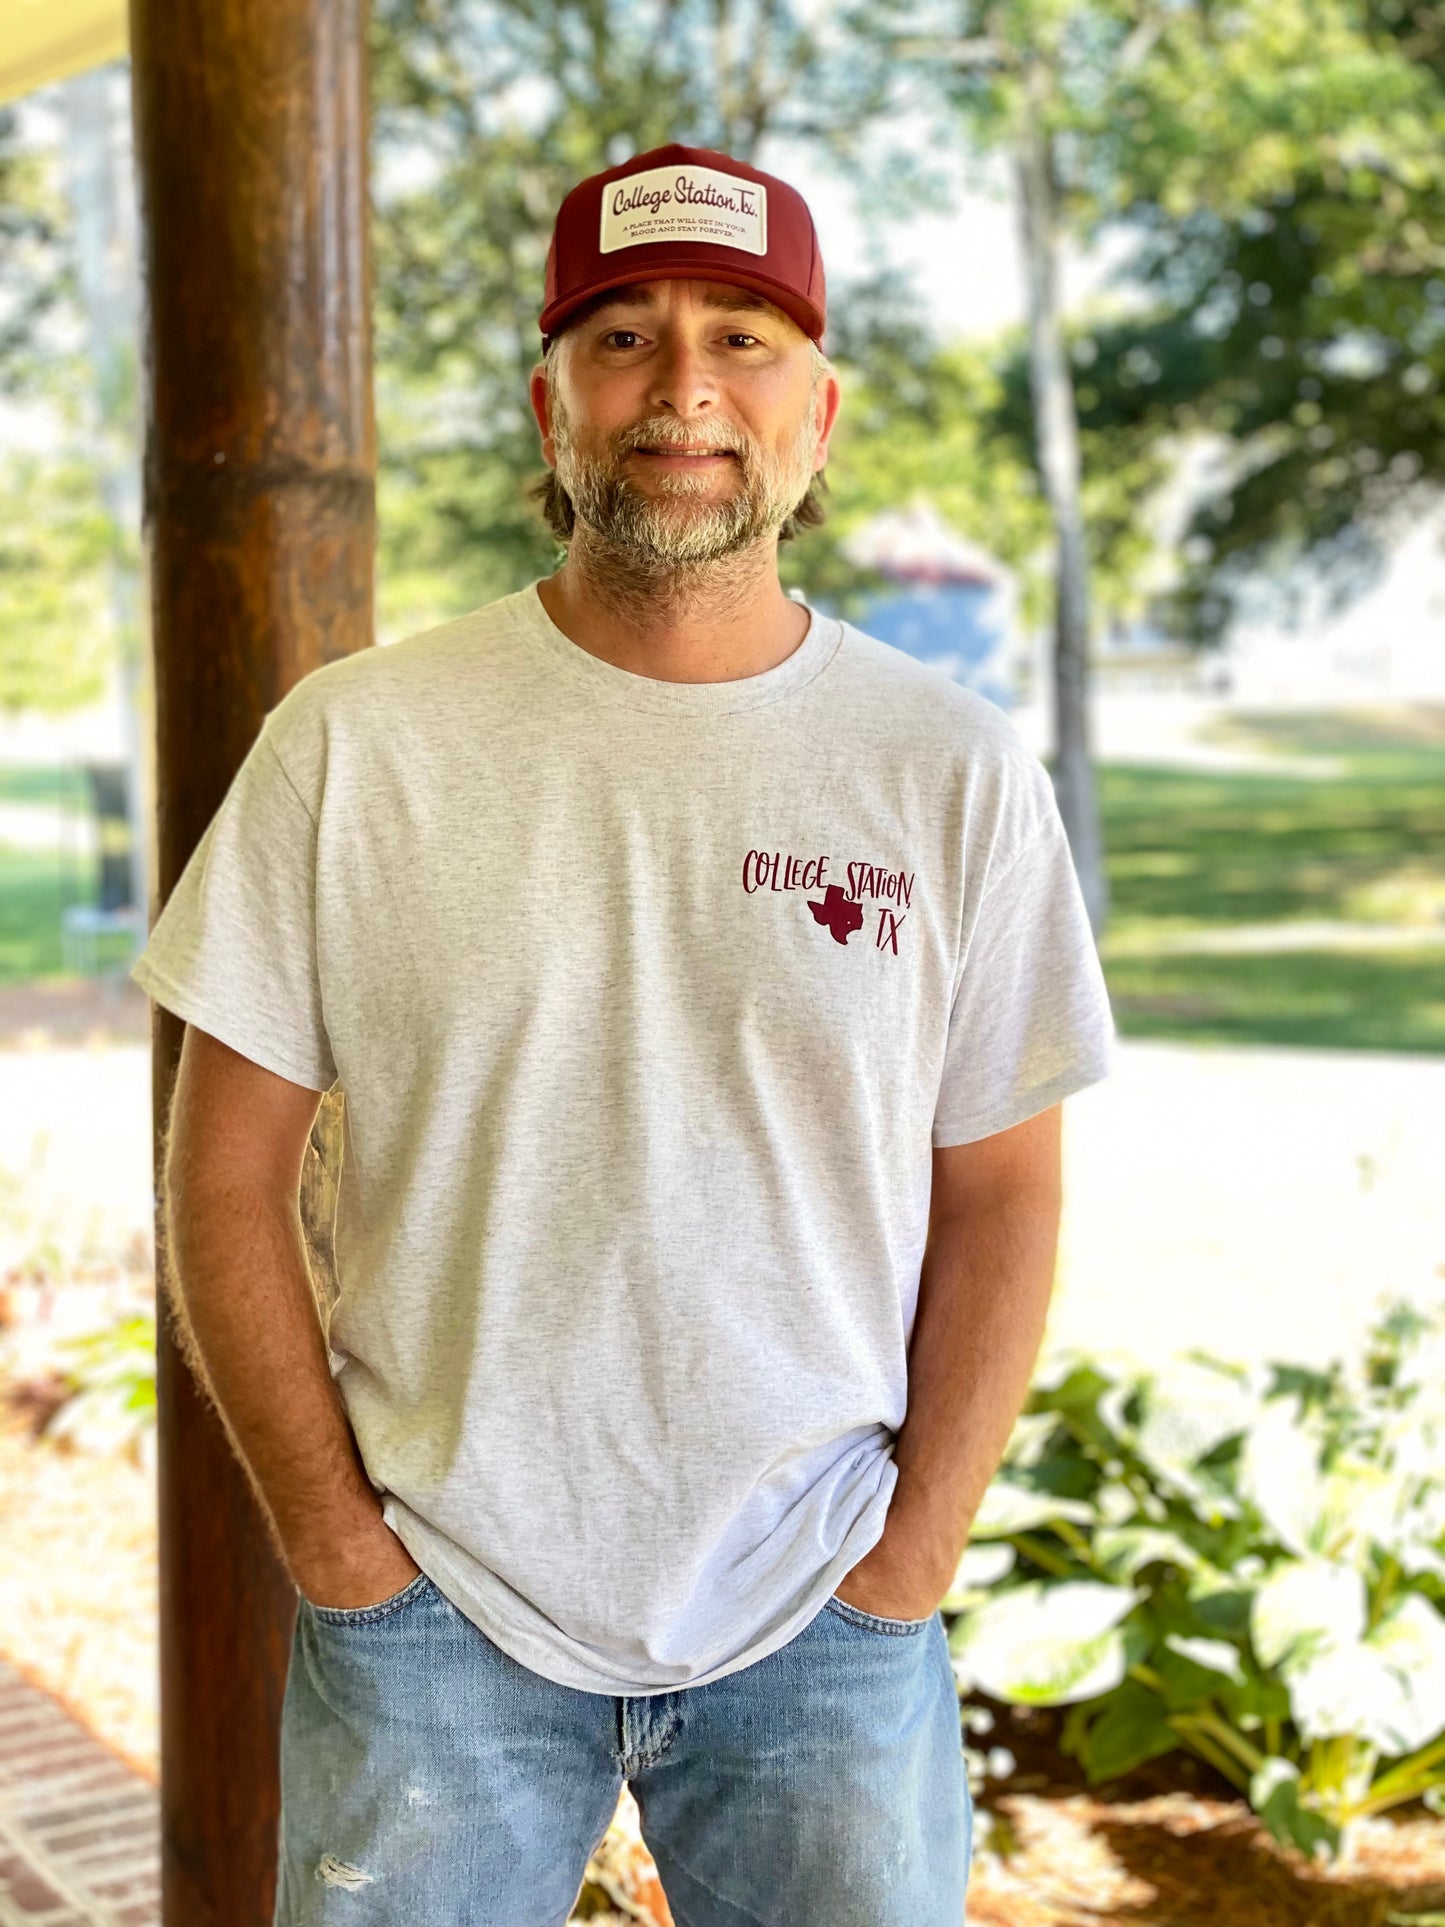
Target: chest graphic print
(871, 898)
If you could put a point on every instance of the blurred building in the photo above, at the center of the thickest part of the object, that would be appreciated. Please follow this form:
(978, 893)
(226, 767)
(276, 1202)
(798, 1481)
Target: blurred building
(1138, 657)
(948, 602)
(1386, 645)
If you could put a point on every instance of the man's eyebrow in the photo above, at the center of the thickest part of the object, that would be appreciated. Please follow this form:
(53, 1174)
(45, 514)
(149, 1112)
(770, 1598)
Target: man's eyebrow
(720, 295)
(634, 295)
(737, 300)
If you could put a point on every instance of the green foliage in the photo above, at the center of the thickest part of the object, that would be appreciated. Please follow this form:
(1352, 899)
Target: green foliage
(110, 1376)
(56, 540)
(1311, 997)
(912, 423)
(1280, 169)
(1244, 1563)
(920, 419)
(1275, 173)
(35, 274)
(1275, 169)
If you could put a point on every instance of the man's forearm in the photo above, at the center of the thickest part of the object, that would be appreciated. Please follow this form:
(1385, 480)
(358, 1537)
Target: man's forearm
(982, 1306)
(242, 1295)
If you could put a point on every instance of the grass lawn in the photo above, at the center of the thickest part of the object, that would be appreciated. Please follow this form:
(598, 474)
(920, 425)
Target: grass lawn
(1194, 855)
(1316, 997)
(36, 884)
(32, 783)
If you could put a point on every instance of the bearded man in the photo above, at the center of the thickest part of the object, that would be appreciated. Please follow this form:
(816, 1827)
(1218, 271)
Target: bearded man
(704, 978)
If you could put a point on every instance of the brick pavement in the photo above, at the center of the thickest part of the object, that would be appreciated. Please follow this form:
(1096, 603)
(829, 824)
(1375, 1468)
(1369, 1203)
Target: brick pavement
(79, 1829)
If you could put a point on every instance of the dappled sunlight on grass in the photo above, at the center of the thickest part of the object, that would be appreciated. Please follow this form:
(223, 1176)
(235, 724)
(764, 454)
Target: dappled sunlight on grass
(1374, 1000)
(1289, 907)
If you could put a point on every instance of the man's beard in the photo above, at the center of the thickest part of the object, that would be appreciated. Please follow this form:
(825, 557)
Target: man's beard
(675, 530)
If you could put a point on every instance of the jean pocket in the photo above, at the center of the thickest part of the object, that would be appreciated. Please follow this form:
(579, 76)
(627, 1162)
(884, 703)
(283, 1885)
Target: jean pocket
(364, 1615)
(876, 1622)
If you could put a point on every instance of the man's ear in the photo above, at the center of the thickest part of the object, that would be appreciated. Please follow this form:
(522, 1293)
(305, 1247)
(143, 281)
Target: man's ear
(541, 409)
(826, 401)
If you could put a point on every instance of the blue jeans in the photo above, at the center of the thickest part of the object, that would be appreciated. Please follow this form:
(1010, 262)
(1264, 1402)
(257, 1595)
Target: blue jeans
(429, 1780)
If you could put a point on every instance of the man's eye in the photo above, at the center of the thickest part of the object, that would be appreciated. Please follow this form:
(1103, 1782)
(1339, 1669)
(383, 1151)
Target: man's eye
(616, 335)
(742, 337)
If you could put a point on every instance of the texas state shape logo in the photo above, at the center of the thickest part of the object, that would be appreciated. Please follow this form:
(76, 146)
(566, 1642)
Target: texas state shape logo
(837, 913)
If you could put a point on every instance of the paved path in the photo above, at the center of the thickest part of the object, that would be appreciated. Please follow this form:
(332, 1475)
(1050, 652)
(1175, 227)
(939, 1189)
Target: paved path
(79, 1830)
(1296, 933)
(1260, 1202)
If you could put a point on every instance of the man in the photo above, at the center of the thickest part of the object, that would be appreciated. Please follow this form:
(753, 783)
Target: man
(704, 979)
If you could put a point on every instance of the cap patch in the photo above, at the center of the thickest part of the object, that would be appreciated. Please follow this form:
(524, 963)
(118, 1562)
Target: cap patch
(684, 204)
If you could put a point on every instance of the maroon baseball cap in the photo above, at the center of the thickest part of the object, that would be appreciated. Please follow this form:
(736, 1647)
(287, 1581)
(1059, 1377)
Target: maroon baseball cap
(685, 213)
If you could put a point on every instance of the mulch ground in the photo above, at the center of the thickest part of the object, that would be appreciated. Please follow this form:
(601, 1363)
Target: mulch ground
(1173, 1845)
(87, 1011)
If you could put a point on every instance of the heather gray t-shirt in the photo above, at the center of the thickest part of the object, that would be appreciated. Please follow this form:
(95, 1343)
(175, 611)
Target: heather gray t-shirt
(649, 1001)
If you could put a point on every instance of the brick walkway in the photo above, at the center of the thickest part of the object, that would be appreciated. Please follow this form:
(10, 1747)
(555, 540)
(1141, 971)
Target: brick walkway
(79, 1842)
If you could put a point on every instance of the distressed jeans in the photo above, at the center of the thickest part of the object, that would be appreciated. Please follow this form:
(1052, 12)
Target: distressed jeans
(430, 1780)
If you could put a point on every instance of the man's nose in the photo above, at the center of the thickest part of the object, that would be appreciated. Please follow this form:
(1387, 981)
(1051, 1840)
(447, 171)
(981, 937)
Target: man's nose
(681, 379)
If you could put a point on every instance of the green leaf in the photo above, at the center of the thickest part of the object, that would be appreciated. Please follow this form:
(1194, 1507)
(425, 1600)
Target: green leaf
(1274, 1793)
(1122, 1551)
(981, 1568)
(1031, 1434)
(1189, 1409)
(57, 639)
(1387, 1689)
(1306, 1607)
(1009, 1508)
(1131, 1729)
(1215, 1655)
(1046, 1644)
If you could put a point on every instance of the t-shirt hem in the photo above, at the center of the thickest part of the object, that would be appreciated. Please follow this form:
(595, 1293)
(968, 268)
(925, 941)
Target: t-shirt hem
(261, 1050)
(1024, 1105)
(553, 1658)
(544, 1659)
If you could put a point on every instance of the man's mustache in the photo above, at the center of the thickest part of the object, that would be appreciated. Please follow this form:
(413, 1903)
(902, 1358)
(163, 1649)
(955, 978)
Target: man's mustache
(664, 433)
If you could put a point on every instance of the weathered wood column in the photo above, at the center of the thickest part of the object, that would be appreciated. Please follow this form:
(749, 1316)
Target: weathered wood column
(251, 139)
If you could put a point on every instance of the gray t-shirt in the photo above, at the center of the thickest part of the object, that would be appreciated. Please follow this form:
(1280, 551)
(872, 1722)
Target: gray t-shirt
(649, 1001)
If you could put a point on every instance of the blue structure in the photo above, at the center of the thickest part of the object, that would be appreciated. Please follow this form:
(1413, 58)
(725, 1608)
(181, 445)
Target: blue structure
(949, 602)
(958, 627)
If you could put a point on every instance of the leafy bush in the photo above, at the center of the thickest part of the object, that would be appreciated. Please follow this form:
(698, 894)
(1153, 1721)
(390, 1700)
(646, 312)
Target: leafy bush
(110, 1377)
(77, 1317)
(1243, 1562)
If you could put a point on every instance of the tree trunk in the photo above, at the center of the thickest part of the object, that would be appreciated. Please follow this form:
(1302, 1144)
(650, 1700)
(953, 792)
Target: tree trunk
(259, 505)
(1056, 431)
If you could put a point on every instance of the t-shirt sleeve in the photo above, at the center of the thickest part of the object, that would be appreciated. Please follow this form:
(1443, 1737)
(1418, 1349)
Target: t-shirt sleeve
(1030, 1021)
(234, 950)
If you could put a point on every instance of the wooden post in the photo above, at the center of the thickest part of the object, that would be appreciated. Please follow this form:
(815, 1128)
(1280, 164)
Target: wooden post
(251, 143)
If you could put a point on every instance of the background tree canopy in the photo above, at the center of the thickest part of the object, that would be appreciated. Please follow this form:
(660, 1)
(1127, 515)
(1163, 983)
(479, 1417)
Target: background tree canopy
(1278, 168)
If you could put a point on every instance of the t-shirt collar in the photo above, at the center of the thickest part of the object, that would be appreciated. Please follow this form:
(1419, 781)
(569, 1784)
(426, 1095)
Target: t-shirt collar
(612, 684)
